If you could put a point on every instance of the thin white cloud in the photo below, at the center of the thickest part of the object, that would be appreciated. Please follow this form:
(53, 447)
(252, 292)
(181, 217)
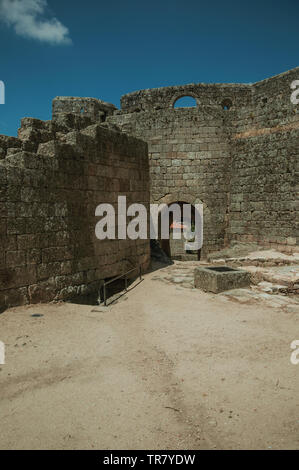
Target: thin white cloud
(27, 19)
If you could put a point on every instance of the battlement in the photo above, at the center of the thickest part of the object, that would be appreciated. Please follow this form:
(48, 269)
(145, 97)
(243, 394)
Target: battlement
(94, 108)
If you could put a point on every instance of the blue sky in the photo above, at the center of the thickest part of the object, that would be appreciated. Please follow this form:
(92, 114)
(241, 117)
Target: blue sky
(106, 49)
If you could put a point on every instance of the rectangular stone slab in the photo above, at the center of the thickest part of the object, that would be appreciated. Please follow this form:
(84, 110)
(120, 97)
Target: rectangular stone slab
(220, 278)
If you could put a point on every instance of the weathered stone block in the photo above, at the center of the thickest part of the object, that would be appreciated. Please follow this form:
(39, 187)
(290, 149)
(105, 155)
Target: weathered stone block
(42, 292)
(15, 258)
(220, 278)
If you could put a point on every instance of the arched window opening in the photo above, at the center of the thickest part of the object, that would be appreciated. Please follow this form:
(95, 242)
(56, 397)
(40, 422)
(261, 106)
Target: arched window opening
(185, 102)
(226, 104)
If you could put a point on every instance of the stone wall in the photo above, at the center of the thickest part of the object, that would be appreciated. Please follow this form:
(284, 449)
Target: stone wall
(235, 152)
(264, 169)
(189, 148)
(93, 108)
(52, 178)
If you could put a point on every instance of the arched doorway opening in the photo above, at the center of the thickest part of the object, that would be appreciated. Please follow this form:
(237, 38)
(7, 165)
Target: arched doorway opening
(178, 220)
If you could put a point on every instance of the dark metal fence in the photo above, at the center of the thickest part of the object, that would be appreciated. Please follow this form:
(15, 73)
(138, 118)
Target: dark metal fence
(125, 275)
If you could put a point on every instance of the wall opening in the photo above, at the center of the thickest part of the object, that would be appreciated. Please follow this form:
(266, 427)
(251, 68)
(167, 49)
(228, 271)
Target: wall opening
(175, 248)
(185, 102)
(103, 117)
(226, 104)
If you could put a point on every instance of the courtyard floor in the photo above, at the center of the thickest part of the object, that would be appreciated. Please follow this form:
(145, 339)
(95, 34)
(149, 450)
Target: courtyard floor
(166, 367)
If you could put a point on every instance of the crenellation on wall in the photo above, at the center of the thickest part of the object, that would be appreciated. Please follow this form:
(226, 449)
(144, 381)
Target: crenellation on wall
(93, 108)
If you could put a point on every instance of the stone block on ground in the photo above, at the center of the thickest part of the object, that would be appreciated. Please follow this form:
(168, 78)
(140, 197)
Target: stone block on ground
(220, 278)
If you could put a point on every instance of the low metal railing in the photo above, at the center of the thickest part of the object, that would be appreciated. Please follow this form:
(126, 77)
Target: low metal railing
(106, 283)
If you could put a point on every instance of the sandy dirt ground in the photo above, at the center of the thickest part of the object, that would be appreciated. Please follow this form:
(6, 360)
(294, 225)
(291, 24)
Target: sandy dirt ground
(164, 368)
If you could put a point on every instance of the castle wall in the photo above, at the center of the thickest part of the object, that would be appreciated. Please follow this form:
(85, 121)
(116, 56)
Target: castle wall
(239, 162)
(92, 108)
(264, 167)
(189, 148)
(236, 152)
(52, 178)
